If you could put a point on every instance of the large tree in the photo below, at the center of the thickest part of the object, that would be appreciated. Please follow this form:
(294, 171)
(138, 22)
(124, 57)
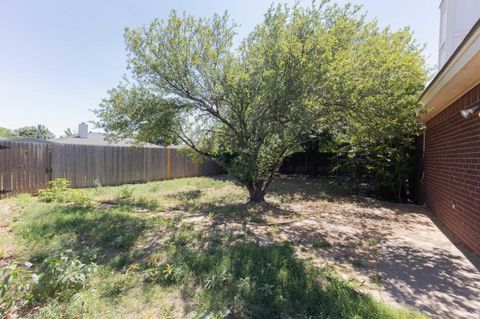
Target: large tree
(38, 131)
(5, 132)
(246, 108)
(383, 74)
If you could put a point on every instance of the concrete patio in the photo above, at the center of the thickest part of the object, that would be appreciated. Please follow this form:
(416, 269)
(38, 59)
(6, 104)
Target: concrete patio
(424, 266)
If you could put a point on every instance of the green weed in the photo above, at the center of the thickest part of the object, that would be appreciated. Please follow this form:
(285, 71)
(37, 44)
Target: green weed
(321, 244)
(62, 274)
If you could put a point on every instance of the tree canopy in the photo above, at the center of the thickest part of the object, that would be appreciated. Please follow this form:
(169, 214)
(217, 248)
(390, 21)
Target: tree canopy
(70, 132)
(38, 131)
(301, 72)
(5, 132)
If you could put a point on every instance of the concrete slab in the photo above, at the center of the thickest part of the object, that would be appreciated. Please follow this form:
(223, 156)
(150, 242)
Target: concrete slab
(422, 267)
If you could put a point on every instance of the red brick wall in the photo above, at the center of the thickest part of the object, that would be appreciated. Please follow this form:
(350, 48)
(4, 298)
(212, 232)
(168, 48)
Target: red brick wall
(452, 169)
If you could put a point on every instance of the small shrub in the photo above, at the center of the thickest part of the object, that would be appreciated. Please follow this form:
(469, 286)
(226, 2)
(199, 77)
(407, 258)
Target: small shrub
(62, 275)
(267, 289)
(372, 241)
(59, 191)
(165, 274)
(125, 192)
(98, 186)
(122, 260)
(78, 198)
(37, 257)
(155, 259)
(89, 255)
(217, 280)
(117, 285)
(16, 284)
(55, 191)
(273, 231)
(377, 280)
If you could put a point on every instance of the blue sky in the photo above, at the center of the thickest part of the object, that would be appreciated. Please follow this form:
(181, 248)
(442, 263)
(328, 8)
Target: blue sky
(58, 58)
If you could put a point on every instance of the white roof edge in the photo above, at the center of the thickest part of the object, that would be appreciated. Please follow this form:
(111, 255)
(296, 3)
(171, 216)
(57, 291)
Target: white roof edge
(468, 51)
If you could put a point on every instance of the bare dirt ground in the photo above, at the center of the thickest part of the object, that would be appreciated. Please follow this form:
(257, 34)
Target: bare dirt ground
(395, 252)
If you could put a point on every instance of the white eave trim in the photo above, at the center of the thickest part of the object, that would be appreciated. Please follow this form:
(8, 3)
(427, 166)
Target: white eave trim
(460, 74)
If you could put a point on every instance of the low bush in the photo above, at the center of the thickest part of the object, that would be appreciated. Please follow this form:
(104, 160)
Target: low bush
(59, 191)
(116, 285)
(55, 191)
(125, 193)
(16, 283)
(62, 275)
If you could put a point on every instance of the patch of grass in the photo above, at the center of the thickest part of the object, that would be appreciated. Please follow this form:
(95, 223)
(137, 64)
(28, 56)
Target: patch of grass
(147, 203)
(125, 193)
(249, 280)
(321, 244)
(187, 196)
(309, 188)
(358, 264)
(113, 285)
(372, 241)
(377, 280)
(167, 187)
(122, 260)
(110, 231)
(272, 231)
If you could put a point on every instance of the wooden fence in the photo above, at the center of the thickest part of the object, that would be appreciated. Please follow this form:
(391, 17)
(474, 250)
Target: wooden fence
(27, 167)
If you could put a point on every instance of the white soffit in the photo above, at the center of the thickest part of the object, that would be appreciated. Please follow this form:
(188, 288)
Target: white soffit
(457, 77)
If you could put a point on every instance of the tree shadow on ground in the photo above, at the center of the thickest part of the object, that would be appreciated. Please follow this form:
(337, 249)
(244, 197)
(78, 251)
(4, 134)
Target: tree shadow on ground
(223, 212)
(424, 278)
(139, 204)
(103, 233)
(420, 268)
(187, 196)
(272, 223)
(248, 280)
(290, 188)
(359, 248)
(466, 251)
(302, 187)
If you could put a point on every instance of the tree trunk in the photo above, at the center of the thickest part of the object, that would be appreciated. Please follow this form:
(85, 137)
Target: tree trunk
(257, 194)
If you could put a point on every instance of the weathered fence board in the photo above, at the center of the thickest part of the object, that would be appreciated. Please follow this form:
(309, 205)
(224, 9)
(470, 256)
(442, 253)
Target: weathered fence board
(24, 167)
(27, 167)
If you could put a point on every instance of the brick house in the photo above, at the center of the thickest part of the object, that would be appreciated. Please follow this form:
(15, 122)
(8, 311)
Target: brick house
(450, 147)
